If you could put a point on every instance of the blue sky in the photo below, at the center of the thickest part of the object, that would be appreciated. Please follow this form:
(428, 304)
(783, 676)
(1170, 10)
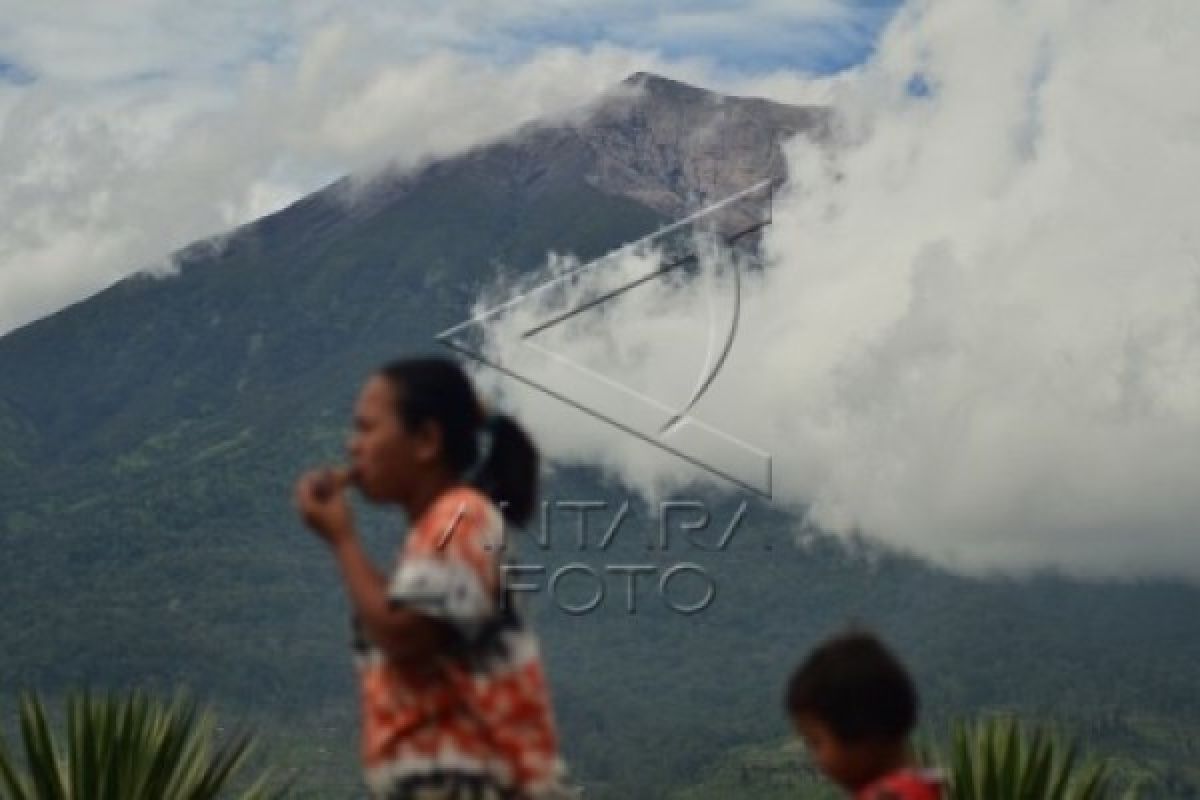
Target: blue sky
(807, 42)
(13, 74)
(61, 42)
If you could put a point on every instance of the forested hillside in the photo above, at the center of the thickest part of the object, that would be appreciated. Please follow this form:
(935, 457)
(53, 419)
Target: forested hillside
(149, 437)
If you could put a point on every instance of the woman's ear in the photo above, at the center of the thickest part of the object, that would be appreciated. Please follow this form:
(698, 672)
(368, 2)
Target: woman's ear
(427, 442)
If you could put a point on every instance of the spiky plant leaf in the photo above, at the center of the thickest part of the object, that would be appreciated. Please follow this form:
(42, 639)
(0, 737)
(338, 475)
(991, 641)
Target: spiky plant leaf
(127, 748)
(999, 757)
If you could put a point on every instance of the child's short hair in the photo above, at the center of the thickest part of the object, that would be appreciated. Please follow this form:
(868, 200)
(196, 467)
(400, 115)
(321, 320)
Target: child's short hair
(854, 685)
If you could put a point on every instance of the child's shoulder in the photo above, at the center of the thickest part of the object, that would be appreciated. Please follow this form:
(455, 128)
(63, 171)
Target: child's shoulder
(906, 784)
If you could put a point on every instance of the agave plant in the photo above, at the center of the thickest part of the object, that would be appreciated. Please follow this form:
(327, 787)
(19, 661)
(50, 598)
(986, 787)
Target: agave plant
(999, 758)
(126, 748)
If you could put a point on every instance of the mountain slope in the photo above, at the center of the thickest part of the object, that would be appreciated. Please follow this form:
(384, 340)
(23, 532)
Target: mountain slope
(293, 294)
(149, 436)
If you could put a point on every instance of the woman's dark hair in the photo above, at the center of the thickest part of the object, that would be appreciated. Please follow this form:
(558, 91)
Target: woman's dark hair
(438, 389)
(856, 686)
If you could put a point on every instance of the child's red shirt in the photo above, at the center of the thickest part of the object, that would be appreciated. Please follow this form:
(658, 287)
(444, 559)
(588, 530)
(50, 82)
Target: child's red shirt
(905, 784)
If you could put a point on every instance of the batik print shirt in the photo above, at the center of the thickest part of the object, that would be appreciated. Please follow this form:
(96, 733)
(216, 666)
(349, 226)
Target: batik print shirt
(481, 715)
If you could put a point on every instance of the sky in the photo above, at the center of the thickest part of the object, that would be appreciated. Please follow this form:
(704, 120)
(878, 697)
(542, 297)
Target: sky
(129, 129)
(977, 337)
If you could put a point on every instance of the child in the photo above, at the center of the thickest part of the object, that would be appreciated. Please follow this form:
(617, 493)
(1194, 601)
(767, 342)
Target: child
(855, 707)
(453, 697)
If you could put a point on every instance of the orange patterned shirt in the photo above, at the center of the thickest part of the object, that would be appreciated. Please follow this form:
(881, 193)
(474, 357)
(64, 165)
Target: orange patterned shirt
(480, 721)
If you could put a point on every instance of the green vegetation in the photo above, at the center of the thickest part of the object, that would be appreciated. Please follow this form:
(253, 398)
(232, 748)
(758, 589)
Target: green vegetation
(1001, 757)
(762, 772)
(988, 758)
(149, 438)
(126, 748)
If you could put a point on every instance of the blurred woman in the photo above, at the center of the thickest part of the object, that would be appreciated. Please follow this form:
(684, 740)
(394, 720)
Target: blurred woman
(454, 699)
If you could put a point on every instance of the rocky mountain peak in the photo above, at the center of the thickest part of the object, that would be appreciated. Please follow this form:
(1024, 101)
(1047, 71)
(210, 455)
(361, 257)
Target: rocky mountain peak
(676, 147)
(668, 145)
(662, 89)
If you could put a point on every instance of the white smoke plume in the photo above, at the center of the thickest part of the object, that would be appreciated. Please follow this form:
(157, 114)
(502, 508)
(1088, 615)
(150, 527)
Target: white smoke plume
(978, 333)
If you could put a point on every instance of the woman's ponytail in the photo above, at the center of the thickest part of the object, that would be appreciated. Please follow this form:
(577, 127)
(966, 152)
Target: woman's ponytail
(507, 467)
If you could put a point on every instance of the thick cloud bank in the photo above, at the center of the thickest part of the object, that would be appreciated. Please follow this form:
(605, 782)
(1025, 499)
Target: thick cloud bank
(978, 335)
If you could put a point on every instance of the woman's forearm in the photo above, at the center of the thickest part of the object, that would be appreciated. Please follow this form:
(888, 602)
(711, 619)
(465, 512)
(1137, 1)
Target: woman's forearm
(404, 636)
(365, 585)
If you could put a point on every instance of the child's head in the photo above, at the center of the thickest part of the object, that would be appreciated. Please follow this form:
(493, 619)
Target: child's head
(854, 705)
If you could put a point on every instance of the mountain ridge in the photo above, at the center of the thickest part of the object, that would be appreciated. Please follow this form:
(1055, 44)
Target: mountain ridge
(638, 148)
(149, 436)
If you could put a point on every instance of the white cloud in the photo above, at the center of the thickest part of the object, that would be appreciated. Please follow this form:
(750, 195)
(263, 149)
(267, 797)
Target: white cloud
(152, 123)
(99, 186)
(979, 338)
